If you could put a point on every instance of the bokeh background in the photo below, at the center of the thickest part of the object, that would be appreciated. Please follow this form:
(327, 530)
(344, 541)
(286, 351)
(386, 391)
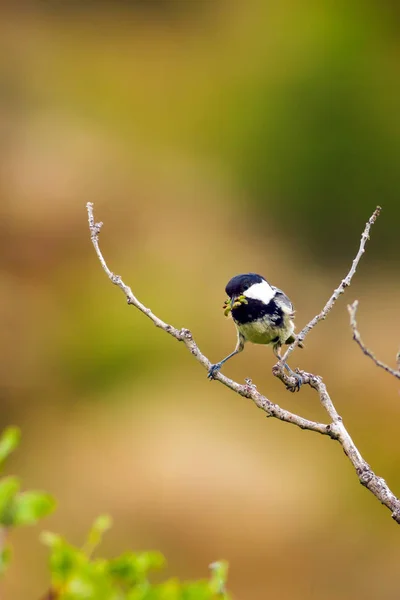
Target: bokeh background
(214, 137)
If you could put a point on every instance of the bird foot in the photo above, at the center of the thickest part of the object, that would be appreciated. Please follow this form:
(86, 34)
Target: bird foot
(213, 370)
(295, 387)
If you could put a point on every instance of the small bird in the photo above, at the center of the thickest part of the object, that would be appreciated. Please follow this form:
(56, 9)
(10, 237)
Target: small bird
(262, 313)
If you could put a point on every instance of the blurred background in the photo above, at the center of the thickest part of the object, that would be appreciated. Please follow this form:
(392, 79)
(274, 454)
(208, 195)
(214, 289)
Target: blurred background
(214, 137)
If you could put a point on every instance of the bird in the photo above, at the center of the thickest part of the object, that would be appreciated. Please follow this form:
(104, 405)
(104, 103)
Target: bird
(262, 314)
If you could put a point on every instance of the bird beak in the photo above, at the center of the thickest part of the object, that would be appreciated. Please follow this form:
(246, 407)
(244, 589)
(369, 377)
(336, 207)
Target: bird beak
(236, 301)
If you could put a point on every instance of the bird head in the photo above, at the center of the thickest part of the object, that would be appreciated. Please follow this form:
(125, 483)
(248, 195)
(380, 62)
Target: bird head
(247, 286)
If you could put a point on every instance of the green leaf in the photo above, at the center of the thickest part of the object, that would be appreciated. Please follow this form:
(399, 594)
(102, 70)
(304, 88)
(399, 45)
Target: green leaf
(99, 527)
(64, 558)
(50, 539)
(149, 561)
(219, 575)
(8, 442)
(89, 585)
(29, 507)
(64, 561)
(130, 568)
(9, 487)
(79, 588)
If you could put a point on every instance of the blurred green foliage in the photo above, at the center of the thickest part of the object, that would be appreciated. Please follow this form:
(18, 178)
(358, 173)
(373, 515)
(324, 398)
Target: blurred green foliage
(75, 575)
(17, 508)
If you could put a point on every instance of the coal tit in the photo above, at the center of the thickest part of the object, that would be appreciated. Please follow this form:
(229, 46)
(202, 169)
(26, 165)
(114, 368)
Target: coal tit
(262, 313)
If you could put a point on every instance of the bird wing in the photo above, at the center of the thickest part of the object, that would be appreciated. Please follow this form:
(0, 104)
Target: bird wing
(287, 306)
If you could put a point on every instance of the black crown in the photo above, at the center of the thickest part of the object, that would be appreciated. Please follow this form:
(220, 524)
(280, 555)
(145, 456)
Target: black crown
(240, 283)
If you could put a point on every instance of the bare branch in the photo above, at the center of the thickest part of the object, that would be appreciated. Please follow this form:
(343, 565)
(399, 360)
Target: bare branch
(339, 290)
(184, 335)
(352, 308)
(335, 429)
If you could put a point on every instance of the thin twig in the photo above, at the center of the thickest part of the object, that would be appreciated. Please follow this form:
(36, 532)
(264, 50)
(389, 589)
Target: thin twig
(339, 290)
(335, 429)
(352, 308)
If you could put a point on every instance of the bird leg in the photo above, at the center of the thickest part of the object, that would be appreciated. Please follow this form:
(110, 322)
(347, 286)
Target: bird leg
(239, 347)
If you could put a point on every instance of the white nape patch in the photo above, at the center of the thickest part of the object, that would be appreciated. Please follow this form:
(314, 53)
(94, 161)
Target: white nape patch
(260, 291)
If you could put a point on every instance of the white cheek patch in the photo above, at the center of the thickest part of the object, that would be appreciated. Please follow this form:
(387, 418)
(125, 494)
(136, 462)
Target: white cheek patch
(260, 291)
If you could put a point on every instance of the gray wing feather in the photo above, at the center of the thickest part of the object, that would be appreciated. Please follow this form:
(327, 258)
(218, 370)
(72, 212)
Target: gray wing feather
(287, 306)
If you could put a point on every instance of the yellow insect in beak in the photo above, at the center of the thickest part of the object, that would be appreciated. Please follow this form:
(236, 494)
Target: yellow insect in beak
(232, 303)
(227, 307)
